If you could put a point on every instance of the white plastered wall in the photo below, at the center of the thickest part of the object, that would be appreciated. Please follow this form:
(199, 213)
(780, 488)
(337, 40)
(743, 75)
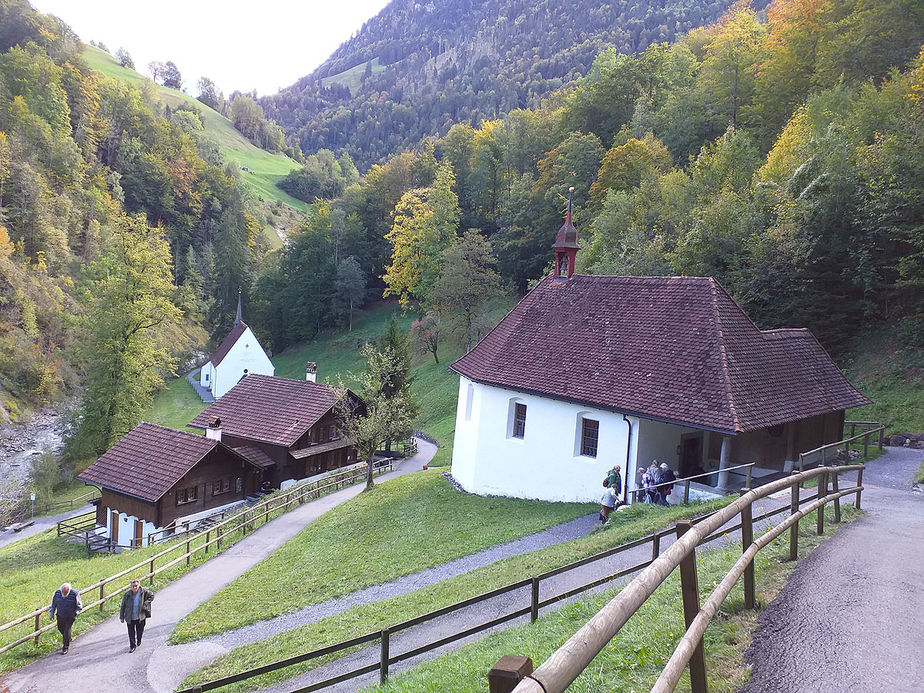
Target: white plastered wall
(207, 375)
(544, 464)
(246, 354)
(127, 528)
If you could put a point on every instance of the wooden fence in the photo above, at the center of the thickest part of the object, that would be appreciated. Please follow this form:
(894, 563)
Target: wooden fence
(243, 522)
(386, 657)
(819, 456)
(567, 663)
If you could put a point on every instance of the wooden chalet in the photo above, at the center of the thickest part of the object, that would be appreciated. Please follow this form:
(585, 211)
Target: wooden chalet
(156, 477)
(287, 428)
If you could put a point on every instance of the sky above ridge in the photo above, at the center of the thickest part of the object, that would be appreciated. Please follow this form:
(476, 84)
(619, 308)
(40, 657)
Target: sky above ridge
(244, 46)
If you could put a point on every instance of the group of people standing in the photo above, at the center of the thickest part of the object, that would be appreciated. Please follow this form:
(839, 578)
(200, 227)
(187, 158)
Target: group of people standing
(134, 610)
(655, 482)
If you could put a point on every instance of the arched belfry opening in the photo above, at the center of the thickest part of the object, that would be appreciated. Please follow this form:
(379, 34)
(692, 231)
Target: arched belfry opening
(566, 245)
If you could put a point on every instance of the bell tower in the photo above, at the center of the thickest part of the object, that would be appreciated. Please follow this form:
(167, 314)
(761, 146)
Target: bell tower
(566, 246)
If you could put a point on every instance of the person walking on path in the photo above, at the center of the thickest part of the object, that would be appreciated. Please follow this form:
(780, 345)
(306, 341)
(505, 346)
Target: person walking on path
(667, 475)
(136, 607)
(607, 503)
(65, 604)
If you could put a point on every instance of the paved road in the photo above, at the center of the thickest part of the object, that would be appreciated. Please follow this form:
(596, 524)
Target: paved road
(99, 660)
(8, 536)
(851, 617)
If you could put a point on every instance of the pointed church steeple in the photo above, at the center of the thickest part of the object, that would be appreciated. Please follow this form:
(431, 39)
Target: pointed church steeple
(566, 245)
(237, 318)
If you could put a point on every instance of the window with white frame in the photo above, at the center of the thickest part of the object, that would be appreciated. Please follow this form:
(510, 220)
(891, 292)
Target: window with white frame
(469, 397)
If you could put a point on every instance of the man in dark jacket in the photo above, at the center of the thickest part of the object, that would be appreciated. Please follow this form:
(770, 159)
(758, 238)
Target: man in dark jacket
(65, 605)
(614, 481)
(667, 476)
(135, 608)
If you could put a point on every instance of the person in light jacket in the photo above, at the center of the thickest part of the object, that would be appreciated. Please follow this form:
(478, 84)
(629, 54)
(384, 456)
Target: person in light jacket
(136, 607)
(65, 604)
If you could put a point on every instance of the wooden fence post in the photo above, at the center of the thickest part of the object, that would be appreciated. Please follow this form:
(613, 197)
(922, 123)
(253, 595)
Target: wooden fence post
(102, 593)
(689, 588)
(865, 445)
(748, 484)
(859, 484)
(822, 492)
(534, 602)
(794, 529)
(38, 625)
(686, 491)
(187, 549)
(151, 581)
(881, 431)
(655, 545)
(208, 536)
(747, 538)
(218, 543)
(837, 501)
(383, 666)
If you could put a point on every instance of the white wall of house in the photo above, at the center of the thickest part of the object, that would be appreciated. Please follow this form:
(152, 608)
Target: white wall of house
(546, 463)
(127, 528)
(246, 356)
(207, 375)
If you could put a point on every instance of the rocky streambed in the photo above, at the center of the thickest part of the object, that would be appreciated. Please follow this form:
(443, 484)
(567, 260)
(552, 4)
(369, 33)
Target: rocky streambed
(20, 442)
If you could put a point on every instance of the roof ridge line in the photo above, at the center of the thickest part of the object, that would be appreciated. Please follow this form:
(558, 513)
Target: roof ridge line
(723, 355)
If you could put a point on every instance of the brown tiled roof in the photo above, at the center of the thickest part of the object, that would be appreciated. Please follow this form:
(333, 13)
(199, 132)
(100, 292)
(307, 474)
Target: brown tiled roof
(269, 409)
(677, 349)
(148, 461)
(228, 342)
(256, 456)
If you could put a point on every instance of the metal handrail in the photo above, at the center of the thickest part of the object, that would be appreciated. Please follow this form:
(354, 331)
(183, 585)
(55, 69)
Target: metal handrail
(563, 666)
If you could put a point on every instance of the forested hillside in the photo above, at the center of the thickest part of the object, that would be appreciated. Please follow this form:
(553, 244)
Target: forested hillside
(122, 232)
(780, 152)
(419, 67)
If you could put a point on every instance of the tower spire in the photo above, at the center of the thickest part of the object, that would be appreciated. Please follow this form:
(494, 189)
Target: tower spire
(237, 318)
(566, 245)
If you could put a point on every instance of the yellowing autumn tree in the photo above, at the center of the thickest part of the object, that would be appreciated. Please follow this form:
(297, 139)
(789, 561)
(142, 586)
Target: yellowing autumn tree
(426, 220)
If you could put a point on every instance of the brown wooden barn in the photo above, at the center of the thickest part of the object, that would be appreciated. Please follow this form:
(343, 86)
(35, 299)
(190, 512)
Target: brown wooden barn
(286, 427)
(156, 476)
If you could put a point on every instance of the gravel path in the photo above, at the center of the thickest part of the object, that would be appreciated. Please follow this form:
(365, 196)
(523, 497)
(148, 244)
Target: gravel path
(851, 617)
(264, 629)
(485, 611)
(99, 660)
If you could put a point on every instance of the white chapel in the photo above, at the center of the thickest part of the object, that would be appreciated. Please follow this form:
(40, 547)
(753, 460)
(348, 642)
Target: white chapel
(239, 354)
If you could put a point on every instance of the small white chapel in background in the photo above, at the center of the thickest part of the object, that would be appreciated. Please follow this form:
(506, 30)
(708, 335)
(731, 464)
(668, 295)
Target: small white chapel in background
(239, 354)
(591, 371)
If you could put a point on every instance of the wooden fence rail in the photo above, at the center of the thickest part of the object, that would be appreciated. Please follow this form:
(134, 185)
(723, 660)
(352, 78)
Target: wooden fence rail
(823, 451)
(243, 522)
(532, 609)
(567, 663)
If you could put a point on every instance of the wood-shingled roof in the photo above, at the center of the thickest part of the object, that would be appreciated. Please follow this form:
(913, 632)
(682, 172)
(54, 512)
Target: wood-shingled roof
(268, 409)
(675, 349)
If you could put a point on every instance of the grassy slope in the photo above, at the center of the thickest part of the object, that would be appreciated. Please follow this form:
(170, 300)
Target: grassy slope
(353, 546)
(31, 569)
(633, 523)
(892, 376)
(635, 657)
(353, 77)
(265, 168)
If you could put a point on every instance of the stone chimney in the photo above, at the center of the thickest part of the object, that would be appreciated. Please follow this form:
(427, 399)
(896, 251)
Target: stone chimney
(213, 431)
(311, 372)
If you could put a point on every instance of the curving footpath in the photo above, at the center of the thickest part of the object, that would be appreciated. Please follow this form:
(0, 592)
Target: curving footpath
(99, 660)
(851, 617)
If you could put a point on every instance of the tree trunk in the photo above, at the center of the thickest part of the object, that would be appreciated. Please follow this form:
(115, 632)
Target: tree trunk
(370, 460)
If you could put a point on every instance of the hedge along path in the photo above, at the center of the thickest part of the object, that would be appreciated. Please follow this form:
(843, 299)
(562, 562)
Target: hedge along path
(198, 547)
